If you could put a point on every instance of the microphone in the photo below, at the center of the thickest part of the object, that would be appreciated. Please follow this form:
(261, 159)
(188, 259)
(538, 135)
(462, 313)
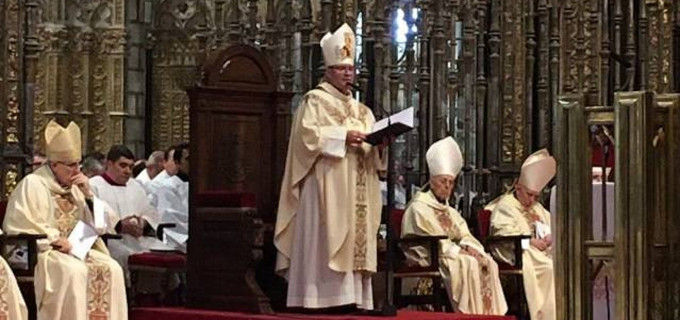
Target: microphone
(355, 86)
(608, 134)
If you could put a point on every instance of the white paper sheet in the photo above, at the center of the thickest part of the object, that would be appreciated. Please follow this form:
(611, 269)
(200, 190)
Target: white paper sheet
(178, 237)
(542, 230)
(82, 238)
(405, 116)
(525, 243)
(99, 207)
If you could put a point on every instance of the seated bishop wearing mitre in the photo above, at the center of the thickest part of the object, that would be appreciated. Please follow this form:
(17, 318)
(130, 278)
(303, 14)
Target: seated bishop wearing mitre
(470, 275)
(74, 279)
(519, 212)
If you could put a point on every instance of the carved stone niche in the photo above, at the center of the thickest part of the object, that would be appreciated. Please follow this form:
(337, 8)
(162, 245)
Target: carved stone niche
(239, 124)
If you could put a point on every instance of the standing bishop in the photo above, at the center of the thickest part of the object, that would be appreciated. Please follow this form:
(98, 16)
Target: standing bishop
(329, 207)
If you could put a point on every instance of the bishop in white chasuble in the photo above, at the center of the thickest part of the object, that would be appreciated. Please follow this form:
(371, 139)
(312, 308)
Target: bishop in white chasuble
(469, 273)
(51, 201)
(329, 207)
(12, 304)
(519, 213)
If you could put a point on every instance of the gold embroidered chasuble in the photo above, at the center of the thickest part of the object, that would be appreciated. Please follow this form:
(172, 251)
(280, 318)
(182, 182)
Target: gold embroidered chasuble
(65, 286)
(509, 218)
(12, 305)
(347, 177)
(472, 283)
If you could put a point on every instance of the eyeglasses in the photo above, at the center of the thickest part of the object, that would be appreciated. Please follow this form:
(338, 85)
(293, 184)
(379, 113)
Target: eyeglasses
(71, 166)
(342, 68)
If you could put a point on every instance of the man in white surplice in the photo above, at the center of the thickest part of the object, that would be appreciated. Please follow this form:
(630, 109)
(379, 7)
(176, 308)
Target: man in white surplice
(136, 220)
(172, 200)
(169, 170)
(169, 166)
(154, 166)
(329, 206)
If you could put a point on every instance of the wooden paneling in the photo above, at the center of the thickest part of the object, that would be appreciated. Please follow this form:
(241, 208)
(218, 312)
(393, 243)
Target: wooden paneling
(239, 126)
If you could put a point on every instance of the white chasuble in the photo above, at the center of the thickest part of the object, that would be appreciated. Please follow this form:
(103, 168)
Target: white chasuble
(12, 304)
(329, 207)
(472, 282)
(66, 287)
(510, 218)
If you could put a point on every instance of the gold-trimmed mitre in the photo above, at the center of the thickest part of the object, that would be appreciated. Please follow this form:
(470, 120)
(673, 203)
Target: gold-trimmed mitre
(444, 157)
(537, 170)
(63, 144)
(339, 47)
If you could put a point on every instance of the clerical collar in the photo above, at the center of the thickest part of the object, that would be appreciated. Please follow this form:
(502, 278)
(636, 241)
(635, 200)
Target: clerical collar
(111, 181)
(444, 202)
(514, 195)
(65, 187)
(183, 176)
(328, 87)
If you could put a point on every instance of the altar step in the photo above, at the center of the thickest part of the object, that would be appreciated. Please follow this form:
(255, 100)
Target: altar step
(194, 314)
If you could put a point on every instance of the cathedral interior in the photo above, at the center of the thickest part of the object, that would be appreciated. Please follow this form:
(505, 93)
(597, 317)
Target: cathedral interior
(593, 81)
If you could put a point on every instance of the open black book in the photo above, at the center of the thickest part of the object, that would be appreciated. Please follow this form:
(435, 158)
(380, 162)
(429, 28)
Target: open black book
(393, 125)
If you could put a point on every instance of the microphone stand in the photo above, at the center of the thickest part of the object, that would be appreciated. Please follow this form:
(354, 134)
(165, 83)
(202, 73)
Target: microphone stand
(389, 309)
(605, 158)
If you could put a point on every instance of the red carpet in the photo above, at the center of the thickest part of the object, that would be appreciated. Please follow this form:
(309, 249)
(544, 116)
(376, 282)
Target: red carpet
(189, 314)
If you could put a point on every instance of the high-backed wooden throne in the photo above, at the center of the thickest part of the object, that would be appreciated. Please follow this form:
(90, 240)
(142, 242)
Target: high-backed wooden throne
(239, 124)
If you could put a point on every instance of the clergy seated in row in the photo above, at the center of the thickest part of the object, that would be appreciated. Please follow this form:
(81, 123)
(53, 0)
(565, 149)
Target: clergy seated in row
(169, 170)
(469, 274)
(74, 279)
(153, 185)
(12, 304)
(170, 196)
(91, 166)
(154, 166)
(132, 215)
(519, 213)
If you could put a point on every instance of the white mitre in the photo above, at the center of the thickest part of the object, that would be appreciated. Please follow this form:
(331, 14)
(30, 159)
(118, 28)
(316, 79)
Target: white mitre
(339, 47)
(444, 157)
(537, 170)
(63, 144)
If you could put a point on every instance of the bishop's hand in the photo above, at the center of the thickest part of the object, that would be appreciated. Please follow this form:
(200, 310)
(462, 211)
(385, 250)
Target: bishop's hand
(62, 245)
(354, 138)
(83, 183)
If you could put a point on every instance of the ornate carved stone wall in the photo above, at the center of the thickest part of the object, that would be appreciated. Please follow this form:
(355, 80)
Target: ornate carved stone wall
(13, 113)
(79, 70)
(174, 41)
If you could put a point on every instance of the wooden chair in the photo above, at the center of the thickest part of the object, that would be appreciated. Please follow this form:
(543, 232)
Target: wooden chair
(437, 297)
(513, 273)
(24, 276)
